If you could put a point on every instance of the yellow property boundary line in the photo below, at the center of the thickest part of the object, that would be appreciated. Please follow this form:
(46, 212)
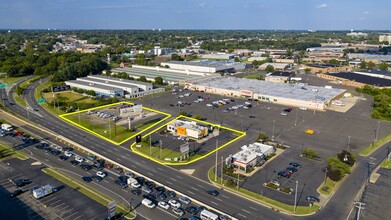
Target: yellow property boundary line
(242, 134)
(63, 116)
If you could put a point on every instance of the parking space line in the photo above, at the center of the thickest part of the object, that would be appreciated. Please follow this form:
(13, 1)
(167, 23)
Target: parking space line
(179, 177)
(63, 208)
(244, 210)
(104, 152)
(200, 186)
(74, 213)
(48, 199)
(57, 205)
(253, 208)
(194, 188)
(78, 217)
(169, 182)
(214, 203)
(173, 179)
(124, 190)
(219, 199)
(105, 181)
(111, 177)
(160, 169)
(69, 210)
(132, 165)
(119, 159)
(150, 174)
(225, 196)
(123, 156)
(190, 192)
(242, 215)
(55, 202)
(115, 149)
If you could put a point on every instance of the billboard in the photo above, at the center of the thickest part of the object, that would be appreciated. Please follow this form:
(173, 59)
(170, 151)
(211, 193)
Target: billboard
(130, 109)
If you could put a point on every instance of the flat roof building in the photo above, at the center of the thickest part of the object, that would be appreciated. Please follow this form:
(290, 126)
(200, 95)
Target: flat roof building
(276, 66)
(218, 56)
(279, 77)
(324, 68)
(357, 80)
(250, 155)
(206, 66)
(298, 95)
(104, 90)
(376, 58)
(375, 73)
(188, 129)
(143, 86)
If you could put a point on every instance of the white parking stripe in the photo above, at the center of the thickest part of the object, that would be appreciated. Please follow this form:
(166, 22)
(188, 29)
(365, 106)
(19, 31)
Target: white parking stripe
(200, 186)
(242, 215)
(190, 192)
(169, 182)
(214, 203)
(219, 199)
(253, 208)
(194, 188)
(173, 179)
(225, 196)
(244, 210)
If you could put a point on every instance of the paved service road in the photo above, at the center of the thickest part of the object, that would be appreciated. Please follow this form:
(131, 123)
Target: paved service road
(233, 205)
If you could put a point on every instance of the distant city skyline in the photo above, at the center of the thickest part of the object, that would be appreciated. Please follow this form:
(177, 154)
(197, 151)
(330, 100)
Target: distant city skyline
(196, 14)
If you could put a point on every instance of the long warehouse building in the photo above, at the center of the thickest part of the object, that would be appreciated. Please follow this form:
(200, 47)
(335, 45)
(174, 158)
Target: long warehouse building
(297, 95)
(206, 66)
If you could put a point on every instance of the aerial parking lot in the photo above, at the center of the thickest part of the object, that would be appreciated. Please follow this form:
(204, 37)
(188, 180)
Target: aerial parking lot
(117, 122)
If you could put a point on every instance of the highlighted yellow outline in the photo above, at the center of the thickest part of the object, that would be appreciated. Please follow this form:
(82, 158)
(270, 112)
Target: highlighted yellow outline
(105, 106)
(242, 134)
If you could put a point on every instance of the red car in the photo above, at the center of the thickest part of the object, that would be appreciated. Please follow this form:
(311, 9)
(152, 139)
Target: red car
(19, 133)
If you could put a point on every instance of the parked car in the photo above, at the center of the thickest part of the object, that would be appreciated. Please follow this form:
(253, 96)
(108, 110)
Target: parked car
(136, 192)
(123, 178)
(178, 211)
(213, 192)
(174, 203)
(150, 197)
(79, 159)
(149, 184)
(170, 193)
(135, 185)
(86, 167)
(16, 193)
(160, 189)
(87, 179)
(292, 169)
(118, 170)
(192, 210)
(101, 174)
(108, 165)
(275, 182)
(129, 174)
(161, 196)
(283, 174)
(91, 157)
(63, 157)
(97, 178)
(68, 153)
(294, 164)
(312, 199)
(146, 189)
(140, 180)
(22, 182)
(74, 162)
(121, 184)
(163, 205)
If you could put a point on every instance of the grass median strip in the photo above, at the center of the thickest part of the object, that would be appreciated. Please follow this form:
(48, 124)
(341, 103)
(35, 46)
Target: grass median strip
(275, 205)
(19, 100)
(386, 164)
(9, 151)
(367, 151)
(93, 194)
(327, 187)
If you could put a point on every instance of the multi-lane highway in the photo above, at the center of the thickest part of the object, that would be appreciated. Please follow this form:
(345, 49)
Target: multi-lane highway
(226, 202)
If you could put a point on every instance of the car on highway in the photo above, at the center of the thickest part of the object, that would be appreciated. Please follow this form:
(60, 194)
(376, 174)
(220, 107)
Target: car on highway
(295, 164)
(213, 192)
(174, 203)
(178, 211)
(87, 179)
(16, 193)
(101, 174)
(136, 192)
(312, 199)
(251, 116)
(121, 184)
(97, 178)
(163, 205)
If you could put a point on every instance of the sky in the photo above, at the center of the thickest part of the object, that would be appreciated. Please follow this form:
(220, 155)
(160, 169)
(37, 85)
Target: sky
(196, 14)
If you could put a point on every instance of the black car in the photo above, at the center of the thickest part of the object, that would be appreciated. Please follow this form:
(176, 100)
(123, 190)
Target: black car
(47, 149)
(121, 184)
(67, 149)
(213, 192)
(312, 199)
(97, 178)
(192, 210)
(98, 166)
(200, 208)
(224, 217)
(136, 192)
(172, 105)
(150, 197)
(140, 180)
(63, 157)
(170, 193)
(55, 152)
(294, 164)
(149, 184)
(87, 179)
(251, 116)
(193, 217)
(288, 109)
(74, 162)
(39, 146)
(101, 161)
(22, 182)
(118, 170)
(160, 189)
(123, 178)
(86, 167)
(161, 196)
(291, 169)
(16, 193)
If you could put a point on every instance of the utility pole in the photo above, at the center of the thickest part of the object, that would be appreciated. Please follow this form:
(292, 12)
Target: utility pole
(294, 210)
(237, 188)
(150, 145)
(377, 130)
(349, 142)
(217, 143)
(359, 205)
(297, 111)
(110, 128)
(222, 167)
(274, 121)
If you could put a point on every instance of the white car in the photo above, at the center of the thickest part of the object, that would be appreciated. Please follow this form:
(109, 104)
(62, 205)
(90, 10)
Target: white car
(275, 182)
(209, 105)
(135, 185)
(79, 159)
(174, 203)
(68, 153)
(302, 108)
(284, 113)
(163, 205)
(148, 203)
(196, 101)
(101, 174)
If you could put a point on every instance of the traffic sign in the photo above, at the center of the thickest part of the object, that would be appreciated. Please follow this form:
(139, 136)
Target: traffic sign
(111, 209)
(9, 84)
(41, 100)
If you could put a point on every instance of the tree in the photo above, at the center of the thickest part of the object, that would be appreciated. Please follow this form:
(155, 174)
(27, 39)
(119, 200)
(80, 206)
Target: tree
(307, 70)
(309, 153)
(143, 79)
(236, 59)
(371, 65)
(175, 56)
(363, 65)
(334, 62)
(336, 164)
(159, 80)
(347, 157)
(334, 174)
(198, 117)
(269, 68)
(183, 113)
(383, 66)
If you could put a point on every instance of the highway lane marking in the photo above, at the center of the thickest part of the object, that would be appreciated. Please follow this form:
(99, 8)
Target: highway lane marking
(106, 181)
(244, 210)
(104, 152)
(137, 163)
(219, 199)
(160, 169)
(132, 165)
(169, 182)
(150, 174)
(179, 177)
(124, 190)
(194, 188)
(225, 196)
(173, 179)
(143, 161)
(253, 208)
(115, 149)
(214, 203)
(119, 159)
(123, 156)
(242, 215)
(154, 171)
(190, 192)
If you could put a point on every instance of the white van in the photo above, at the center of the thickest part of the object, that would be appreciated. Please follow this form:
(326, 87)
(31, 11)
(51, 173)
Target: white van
(6, 127)
(148, 203)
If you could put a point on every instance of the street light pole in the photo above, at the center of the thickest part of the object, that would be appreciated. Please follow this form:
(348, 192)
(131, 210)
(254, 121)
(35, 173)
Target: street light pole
(28, 114)
(237, 188)
(296, 117)
(377, 130)
(217, 143)
(222, 174)
(273, 130)
(294, 210)
(349, 142)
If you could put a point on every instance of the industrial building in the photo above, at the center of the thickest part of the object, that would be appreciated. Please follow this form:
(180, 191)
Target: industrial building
(251, 155)
(279, 77)
(110, 86)
(385, 37)
(205, 66)
(190, 129)
(357, 79)
(324, 68)
(376, 58)
(218, 56)
(169, 76)
(276, 66)
(298, 95)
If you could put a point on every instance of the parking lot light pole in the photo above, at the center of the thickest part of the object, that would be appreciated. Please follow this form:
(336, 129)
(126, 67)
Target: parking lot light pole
(296, 116)
(294, 210)
(222, 174)
(349, 142)
(150, 145)
(217, 143)
(274, 121)
(377, 130)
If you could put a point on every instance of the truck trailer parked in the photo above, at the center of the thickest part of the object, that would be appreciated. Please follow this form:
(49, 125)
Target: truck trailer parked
(43, 191)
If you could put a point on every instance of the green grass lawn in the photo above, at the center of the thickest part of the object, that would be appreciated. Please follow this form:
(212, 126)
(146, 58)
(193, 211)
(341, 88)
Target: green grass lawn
(276, 205)
(7, 151)
(11, 79)
(327, 187)
(27, 82)
(19, 100)
(386, 164)
(93, 194)
(367, 151)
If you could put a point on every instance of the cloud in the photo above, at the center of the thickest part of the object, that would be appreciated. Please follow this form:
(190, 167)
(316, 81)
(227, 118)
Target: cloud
(366, 12)
(324, 5)
(202, 4)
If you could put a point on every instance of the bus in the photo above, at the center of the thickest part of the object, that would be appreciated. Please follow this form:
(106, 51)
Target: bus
(208, 215)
